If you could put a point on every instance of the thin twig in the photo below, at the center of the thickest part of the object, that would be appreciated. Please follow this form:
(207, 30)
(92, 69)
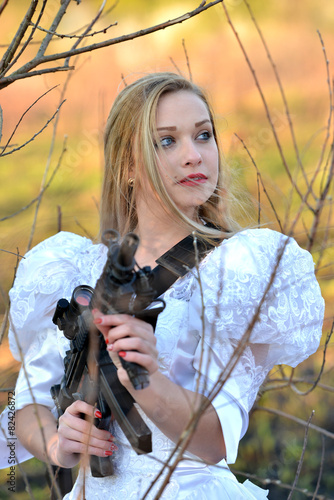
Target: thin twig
(321, 369)
(27, 41)
(301, 460)
(24, 71)
(187, 59)
(330, 95)
(10, 52)
(21, 118)
(266, 107)
(275, 411)
(37, 197)
(80, 37)
(287, 111)
(36, 134)
(55, 23)
(43, 188)
(278, 482)
(321, 468)
(3, 5)
(262, 183)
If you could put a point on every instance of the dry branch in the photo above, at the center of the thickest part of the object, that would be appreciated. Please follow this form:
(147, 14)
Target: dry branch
(41, 58)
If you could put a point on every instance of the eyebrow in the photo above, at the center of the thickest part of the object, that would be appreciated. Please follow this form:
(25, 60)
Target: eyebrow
(198, 124)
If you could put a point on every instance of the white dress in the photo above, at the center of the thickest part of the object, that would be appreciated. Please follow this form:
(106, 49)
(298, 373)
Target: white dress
(239, 283)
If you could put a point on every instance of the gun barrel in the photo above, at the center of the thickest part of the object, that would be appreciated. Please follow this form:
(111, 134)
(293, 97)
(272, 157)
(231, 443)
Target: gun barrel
(127, 250)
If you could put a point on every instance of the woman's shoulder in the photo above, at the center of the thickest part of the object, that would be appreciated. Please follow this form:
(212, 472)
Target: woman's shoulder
(61, 244)
(62, 249)
(259, 250)
(48, 272)
(265, 278)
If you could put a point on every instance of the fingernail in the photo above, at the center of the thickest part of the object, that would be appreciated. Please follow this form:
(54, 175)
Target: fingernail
(108, 453)
(97, 414)
(97, 321)
(110, 347)
(122, 354)
(111, 439)
(107, 341)
(113, 447)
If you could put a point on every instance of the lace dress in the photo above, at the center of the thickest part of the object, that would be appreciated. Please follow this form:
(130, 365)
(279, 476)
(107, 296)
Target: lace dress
(258, 293)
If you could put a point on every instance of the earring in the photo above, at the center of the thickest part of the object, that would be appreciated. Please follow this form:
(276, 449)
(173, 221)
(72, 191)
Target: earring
(131, 181)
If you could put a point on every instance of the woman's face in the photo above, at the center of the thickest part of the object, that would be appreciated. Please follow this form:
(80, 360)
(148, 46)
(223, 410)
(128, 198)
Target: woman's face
(188, 161)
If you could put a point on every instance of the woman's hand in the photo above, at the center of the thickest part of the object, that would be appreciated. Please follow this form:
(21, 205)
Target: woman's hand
(77, 436)
(130, 338)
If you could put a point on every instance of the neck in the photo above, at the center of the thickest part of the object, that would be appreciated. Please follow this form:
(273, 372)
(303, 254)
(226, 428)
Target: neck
(157, 235)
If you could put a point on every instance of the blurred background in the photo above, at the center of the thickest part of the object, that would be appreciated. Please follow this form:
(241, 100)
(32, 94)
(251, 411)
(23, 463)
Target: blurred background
(206, 49)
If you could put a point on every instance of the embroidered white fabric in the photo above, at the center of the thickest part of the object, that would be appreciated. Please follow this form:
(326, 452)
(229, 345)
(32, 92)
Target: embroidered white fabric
(262, 306)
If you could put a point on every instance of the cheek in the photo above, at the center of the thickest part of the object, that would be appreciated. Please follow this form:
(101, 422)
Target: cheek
(166, 171)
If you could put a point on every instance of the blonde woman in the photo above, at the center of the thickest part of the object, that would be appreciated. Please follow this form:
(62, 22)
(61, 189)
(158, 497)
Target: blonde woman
(253, 302)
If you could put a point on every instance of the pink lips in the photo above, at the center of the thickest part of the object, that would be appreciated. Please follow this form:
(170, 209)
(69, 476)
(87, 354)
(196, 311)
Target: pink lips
(193, 180)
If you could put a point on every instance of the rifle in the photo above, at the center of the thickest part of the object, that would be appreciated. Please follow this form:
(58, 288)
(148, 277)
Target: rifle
(90, 374)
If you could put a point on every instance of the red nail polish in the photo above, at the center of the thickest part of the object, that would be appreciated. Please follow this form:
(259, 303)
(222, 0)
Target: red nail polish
(108, 453)
(97, 321)
(113, 447)
(122, 354)
(107, 341)
(97, 414)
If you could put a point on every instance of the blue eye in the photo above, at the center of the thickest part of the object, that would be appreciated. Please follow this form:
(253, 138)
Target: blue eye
(166, 141)
(205, 136)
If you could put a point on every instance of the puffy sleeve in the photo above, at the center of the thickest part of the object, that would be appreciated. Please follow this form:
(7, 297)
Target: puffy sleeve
(49, 271)
(262, 306)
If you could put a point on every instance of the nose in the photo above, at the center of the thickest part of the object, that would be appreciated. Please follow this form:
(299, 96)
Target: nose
(190, 154)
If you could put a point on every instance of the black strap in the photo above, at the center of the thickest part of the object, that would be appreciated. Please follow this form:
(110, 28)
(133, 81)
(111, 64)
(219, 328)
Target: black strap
(177, 261)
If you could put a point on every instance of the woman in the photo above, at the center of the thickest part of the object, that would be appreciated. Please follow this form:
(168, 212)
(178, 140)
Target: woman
(253, 302)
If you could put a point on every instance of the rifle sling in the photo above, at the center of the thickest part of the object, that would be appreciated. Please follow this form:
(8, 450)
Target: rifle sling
(177, 262)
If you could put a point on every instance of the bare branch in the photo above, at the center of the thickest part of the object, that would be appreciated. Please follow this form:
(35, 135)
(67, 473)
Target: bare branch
(20, 120)
(28, 41)
(287, 111)
(3, 5)
(37, 133)
(321, 369)
(37, 197)
(187, 59)
(43, 188)
(280, 413)
(321, 468)
(321, 203)
(262, 184)
(266, 107)
(330, 95)
(47, 39)
(36, 73)
(10, 52)
(87, 30)
(80, 37)
(278, 482)
(24, 71)
(301, 460)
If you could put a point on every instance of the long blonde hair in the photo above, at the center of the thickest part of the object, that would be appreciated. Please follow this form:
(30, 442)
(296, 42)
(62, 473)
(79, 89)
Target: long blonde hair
(130, 151)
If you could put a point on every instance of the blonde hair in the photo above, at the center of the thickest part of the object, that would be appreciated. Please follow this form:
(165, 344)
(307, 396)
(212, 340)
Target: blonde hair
(130, 151)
